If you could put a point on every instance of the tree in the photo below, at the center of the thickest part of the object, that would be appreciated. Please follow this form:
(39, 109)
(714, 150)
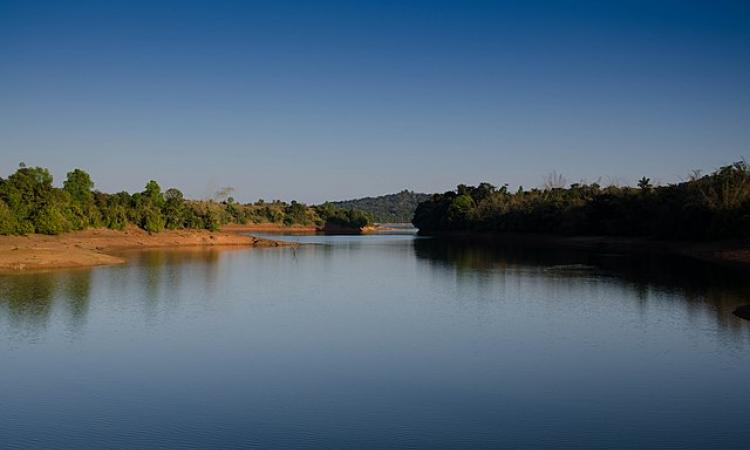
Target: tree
(706, 207)
(460, 210)
(149, 206)
(152, 195)
(50, 220)
(79, 185)
(645, 184)
(152, 220)
(174, 209)
(81, 211)
(115, 217)
(8, 222)
(295, 213)
(26, 192)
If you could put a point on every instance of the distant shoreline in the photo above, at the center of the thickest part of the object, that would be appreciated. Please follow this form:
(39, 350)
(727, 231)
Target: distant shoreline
(729, 253)
(301, 229)
(95, 247)
(268, 226)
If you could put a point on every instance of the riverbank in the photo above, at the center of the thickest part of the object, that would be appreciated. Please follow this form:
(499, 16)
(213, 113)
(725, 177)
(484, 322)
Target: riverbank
(730, 253)
(96, 247)
(269, 228)
(300, 229)
(348, 231)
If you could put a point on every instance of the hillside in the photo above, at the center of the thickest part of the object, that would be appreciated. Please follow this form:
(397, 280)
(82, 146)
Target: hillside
(391, 208)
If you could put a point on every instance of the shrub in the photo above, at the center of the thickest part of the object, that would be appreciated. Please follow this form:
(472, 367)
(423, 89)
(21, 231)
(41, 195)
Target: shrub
(8, 222)
(152, 220)
(50, 220)
(115, 217)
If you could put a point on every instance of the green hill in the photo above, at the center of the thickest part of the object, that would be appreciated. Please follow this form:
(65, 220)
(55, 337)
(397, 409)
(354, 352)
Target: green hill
(391, 208)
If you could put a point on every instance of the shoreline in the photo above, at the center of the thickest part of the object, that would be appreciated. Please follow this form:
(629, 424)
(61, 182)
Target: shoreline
(98, 246)
(729, 253)
(101, 246)
(301, 229)
(337, 230)
(268, 227)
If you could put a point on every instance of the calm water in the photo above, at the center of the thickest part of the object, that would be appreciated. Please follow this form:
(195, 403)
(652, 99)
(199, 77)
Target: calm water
(375, 341)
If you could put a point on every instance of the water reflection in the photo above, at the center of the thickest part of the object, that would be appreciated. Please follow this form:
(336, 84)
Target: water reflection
(160, 280)
(26, 301)
(454, 344)
(29, 302)
(697, 287)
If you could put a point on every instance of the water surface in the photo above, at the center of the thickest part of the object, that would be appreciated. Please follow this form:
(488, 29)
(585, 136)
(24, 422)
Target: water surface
(387, 341)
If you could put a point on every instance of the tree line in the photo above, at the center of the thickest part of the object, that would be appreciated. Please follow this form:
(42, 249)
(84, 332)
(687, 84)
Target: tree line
(390, 208)
(30, 203)
(713, 206)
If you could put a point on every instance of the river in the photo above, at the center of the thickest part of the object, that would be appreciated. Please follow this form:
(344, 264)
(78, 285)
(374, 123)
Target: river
(381, 341)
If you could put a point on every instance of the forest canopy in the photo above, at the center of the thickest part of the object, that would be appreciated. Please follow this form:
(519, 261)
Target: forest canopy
(714, 206)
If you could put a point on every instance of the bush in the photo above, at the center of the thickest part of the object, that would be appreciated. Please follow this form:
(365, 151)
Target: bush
(115, 217)
(50, 220)
(8, 222)
(152, 220)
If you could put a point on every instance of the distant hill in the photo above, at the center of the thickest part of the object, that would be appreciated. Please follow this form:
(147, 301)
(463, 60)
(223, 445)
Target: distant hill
(391, 208)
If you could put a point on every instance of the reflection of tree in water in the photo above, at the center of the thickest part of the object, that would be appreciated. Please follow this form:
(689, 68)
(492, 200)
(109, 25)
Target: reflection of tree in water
(27, 301)
(704, 287)
(161, 274)
(30, 301)
(77, 290)
(153, 264)
(174, 258)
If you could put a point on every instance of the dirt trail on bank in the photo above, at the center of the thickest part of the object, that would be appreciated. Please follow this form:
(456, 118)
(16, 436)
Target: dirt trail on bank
(95, 246)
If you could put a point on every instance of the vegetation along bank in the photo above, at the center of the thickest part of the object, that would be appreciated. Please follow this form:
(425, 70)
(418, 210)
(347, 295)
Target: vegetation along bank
(711, 210)
(29, 203)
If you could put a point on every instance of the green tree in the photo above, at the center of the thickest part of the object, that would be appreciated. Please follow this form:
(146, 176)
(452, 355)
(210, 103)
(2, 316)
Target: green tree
(50, 220)
(152, 194)
(149, 205)
(26, 192)
(79, 185)
(81, 211)
(174, 209)
(152, 220)
(460, 210)
(115, 217)
(295, 213)
(8, 222)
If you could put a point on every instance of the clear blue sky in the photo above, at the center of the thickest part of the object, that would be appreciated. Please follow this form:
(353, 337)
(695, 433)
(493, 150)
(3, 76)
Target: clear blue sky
(330, 100)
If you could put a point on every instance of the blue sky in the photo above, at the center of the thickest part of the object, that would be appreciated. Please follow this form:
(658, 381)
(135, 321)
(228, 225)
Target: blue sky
(331, 100)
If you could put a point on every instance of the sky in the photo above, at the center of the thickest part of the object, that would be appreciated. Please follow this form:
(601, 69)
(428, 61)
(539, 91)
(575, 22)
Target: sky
(322, 100)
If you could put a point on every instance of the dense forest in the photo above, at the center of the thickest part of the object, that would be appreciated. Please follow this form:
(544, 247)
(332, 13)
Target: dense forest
(713, 206)
(391, 208)
(29, 203)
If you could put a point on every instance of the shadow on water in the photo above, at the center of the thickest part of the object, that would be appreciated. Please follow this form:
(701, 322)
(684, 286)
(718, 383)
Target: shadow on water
(698, 285)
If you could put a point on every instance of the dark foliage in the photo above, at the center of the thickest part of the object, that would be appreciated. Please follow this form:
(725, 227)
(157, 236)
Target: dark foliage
(714, 206)
(344, 218)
